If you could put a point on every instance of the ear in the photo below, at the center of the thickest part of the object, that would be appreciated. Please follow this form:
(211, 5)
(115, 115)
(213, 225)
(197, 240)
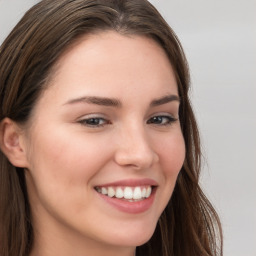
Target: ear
(11, 143)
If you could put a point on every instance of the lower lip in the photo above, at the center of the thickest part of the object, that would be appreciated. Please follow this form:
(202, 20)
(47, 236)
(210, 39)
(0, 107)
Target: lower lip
(130, 207)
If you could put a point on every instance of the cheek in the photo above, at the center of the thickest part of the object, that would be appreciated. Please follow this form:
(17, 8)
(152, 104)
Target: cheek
(62, 165)
(65, 154)
(172, 155)
(61, 171)
(171, 152)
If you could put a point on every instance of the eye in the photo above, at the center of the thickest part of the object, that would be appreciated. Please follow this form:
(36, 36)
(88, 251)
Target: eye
(94, 122)
(161, 120)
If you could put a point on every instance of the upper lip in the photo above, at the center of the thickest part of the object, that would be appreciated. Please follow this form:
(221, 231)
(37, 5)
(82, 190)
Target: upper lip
(130, 183)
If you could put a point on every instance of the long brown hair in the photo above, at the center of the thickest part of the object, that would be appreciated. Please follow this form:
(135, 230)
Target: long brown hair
(189, 226)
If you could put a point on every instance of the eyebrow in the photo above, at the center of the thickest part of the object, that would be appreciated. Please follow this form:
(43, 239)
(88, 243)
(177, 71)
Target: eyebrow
(102, 101)
(164, 100)
(113, 102)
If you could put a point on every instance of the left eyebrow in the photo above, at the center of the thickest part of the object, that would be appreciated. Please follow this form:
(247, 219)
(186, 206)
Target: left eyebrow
(164, 100)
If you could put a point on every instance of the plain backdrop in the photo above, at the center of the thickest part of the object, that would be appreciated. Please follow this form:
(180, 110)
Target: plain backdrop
(219, 38)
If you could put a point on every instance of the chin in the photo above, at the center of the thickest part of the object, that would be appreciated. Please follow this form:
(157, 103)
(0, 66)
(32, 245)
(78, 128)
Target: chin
(136, 237)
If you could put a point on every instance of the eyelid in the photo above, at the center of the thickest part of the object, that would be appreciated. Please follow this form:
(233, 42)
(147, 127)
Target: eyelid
(91, 115)
(165, 114)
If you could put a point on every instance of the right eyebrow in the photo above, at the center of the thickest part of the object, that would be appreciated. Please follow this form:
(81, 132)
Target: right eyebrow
(102, 101)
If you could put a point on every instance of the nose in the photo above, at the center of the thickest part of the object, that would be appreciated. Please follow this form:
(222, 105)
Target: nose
(135, 150)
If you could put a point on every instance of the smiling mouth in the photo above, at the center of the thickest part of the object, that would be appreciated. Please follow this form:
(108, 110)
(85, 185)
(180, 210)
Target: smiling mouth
(127, 193)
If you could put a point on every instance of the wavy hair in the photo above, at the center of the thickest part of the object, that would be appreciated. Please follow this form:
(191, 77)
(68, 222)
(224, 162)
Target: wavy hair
(189, 226)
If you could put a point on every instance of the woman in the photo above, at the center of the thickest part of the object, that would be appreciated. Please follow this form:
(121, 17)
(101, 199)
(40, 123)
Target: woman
(100, 148)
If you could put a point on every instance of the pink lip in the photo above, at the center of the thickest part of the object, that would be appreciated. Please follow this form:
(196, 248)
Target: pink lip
(130, 207)
(130, 183)
(126, 206)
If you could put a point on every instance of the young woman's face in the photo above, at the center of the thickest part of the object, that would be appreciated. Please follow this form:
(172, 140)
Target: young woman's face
(104, 146)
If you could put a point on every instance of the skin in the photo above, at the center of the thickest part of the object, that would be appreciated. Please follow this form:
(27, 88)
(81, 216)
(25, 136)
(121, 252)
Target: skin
(66, 158)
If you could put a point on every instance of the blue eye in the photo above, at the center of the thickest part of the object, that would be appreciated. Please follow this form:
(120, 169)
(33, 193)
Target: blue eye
(161, 120)
(94, 122)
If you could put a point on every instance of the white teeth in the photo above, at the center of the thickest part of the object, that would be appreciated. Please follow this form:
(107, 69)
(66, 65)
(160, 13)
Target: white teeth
(129, 193)
(148, 193)
(111, 192)
(104, 191)
(137, 193)
(144, 192)
(119, 193)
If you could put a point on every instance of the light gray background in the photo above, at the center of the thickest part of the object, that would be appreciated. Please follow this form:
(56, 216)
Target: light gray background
(219, 38)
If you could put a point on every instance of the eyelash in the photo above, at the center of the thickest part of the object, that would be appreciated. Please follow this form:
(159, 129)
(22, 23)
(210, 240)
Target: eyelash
(97, 122)
(94, 122)
(168, 120)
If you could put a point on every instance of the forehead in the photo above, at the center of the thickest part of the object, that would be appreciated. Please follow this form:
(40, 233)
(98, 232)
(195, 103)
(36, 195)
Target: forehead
(108, 64)
(111, 53)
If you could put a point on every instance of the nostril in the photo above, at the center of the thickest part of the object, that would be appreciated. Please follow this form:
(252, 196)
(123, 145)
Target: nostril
(134, 149)
(137, 160)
